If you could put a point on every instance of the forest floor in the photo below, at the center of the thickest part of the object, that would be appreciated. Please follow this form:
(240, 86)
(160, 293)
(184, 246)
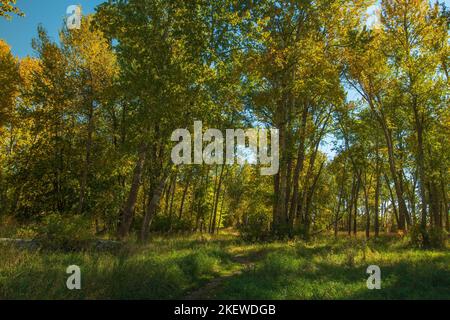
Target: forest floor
(225, 267)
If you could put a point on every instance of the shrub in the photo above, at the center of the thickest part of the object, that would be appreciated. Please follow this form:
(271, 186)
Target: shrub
(27, 232)
(199, 264)
(422, 238)
(255, 227)
(438, 238)
(65, 233)
(280, 264)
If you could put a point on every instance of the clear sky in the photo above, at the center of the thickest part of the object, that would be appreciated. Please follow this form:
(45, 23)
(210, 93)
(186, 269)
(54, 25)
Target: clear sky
(18, 32)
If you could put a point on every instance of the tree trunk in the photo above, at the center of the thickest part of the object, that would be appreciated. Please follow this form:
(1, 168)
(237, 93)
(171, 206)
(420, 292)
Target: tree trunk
(358, 185)
(392, 165)
(216, 201)
(350, 206)
(398, 190)
(341, 194)
(127, 211)
(221, 211)
(172, 196)
(377, 201)
(366, 204)
(394, 207)
(152, 207)
(280, 220)
(87, 160)
(446, 205)
(298, 170)
(309, 200)
(183, 198)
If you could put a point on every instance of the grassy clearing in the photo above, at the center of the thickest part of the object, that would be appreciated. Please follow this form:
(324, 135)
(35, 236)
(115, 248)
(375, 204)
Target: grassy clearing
(171, 268)
(337, 270)
(164, 269)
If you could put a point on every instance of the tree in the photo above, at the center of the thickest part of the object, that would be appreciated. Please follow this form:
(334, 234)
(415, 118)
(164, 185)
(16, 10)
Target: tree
(7, 7)
(9, 77)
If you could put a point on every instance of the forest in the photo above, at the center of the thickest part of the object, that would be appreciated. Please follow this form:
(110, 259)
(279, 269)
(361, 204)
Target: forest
(358, 91)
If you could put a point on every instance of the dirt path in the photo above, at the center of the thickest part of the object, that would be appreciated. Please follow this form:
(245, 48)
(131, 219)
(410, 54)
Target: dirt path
(210, 289)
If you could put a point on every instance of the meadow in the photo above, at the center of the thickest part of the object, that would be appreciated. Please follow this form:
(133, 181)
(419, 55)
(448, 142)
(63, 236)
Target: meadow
(226, 267)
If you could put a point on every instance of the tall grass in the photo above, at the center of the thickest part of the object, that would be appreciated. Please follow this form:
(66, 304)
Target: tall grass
(169, 268)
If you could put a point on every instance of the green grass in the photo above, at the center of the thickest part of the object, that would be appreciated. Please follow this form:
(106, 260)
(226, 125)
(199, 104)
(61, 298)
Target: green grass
(171, 268)
(164, 269)
(337, 270)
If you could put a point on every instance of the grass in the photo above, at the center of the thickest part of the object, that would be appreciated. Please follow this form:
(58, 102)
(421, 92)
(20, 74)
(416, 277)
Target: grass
(171, 268)
(337, 270)
(164, 269)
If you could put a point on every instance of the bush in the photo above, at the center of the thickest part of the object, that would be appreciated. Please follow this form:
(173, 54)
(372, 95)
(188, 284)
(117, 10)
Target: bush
(438, 238)
(422, 238)
(255, 228)
(64, 233)
(199, 264)
(280, 264)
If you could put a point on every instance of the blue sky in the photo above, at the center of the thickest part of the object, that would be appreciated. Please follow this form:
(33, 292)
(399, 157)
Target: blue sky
(18, 32)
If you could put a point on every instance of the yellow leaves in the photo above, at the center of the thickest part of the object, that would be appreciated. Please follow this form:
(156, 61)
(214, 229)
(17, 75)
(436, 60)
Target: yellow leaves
(234, 19)
(27, 68)
(8, 6)
(4, 48)
(89, 54)
(9, 81)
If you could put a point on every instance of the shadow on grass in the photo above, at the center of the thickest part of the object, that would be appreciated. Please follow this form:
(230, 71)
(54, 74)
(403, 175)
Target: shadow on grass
(143, 275)
(284, 276)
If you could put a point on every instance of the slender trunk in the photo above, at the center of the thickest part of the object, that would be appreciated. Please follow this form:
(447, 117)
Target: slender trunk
(392, 165)
(310, 198)
(279, 213)
(298, 169)
(358, 185)
(435, 205)
(446, 205)
(216, 179)
(127, 212)
(172, 196)
(366, 205)
(166, 194)
(221, 211)
(87, 160)
(377, 202)
(341, 194)
(350, 206)
(183, 198)
(394, 207)
(421, 169)
(216, 201)
(152, 207)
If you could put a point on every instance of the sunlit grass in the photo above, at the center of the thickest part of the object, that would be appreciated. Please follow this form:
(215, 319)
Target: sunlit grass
(170, 268)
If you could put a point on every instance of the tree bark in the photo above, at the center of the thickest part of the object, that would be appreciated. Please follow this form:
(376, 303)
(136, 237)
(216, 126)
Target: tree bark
(127, 211)
(87, 160)
(183, 198)
(293, 213)
(216, 201)
(152, 207)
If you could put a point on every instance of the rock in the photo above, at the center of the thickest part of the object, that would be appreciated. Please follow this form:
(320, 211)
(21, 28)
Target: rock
(21, 243)
(106, 245)
(96, 245)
